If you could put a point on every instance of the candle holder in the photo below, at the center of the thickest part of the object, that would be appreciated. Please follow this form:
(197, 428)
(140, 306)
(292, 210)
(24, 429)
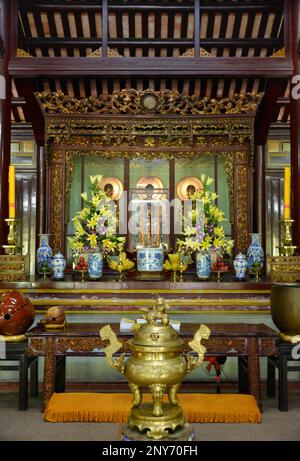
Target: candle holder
(287, 248)
(45, 272)
(12, 239)
(174, 275)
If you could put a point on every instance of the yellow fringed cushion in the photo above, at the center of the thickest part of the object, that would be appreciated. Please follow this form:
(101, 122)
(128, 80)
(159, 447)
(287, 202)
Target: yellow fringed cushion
(115, 408)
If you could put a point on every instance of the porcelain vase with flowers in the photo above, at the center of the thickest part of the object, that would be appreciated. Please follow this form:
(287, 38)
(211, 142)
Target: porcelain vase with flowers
(204, 230)
(95, 227)
(203, 265)
(95, 265)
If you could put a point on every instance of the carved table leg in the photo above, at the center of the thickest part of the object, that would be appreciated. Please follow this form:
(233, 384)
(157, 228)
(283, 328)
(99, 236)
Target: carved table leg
(23, 381)
(253, 370)
(49, 371)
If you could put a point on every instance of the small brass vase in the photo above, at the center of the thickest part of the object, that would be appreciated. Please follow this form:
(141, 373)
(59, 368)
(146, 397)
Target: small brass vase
(12, 239)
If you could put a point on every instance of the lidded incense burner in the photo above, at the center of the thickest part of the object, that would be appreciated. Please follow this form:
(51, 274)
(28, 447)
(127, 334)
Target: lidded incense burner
(156, 361)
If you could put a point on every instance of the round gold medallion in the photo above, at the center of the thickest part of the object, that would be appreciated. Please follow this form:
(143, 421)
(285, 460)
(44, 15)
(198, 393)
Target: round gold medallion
(149, 102)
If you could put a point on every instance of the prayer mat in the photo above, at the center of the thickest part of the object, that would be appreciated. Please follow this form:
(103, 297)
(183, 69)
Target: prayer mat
(115, 408)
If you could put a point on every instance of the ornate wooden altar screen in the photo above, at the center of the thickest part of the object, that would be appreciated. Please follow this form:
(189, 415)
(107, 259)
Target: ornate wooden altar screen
(148, 125)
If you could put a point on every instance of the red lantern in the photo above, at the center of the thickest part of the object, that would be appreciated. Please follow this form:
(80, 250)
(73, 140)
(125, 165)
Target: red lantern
(16, 313)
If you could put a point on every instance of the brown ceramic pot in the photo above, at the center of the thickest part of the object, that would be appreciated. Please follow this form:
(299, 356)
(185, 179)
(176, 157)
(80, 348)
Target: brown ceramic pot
(16, 313)
(55, 316)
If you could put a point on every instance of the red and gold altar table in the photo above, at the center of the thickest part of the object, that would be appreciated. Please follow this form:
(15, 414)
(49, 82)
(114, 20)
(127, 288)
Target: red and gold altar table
(126, 297)
(82, 339)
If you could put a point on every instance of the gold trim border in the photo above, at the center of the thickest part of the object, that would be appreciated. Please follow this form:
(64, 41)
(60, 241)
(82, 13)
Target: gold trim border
(172, 312)
(142, 302)
(126, 291)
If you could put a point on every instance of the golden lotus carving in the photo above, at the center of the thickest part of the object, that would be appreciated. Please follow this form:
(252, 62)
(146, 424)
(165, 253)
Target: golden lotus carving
(156, 362)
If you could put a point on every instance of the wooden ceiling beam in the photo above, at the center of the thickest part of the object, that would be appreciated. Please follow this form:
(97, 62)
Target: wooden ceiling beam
(31, 109)
(151, 42)
(268, 110)
(213, 6)
(150, 67)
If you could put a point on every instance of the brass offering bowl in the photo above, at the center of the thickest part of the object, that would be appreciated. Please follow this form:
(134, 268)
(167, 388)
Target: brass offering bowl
(156, 361)
(285, 308)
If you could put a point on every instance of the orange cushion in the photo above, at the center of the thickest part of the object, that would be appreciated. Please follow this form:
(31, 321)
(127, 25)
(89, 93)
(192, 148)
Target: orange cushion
(115, 408)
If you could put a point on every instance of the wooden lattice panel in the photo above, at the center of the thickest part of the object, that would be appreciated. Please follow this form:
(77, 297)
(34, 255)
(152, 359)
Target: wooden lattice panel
(285, 269)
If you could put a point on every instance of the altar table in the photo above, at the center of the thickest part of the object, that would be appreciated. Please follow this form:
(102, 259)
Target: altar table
(82, 339)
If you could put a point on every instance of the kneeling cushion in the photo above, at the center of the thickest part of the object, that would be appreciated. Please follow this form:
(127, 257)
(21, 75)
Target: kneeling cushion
(115, 408)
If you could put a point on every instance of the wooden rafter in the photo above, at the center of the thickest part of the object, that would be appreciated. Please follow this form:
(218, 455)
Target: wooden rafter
(91, 42)
(161, 67)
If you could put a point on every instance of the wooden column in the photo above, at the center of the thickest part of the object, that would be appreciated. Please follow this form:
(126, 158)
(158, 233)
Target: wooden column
(9, 14)
(294, 19)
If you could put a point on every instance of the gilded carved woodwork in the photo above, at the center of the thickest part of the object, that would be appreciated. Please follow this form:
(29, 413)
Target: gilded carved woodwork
(223, 127)
(279, 53)
(57, 199)
(190, 53)
(110, 53)
(14, 268)
(84, 345)
(49, 370)
(242, 224)
(131, 101)
(23, 54)
(285, 269)
(36, 346)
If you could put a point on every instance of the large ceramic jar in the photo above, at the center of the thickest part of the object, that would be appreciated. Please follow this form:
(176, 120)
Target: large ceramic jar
(58, 266)
(240, 266)
(95, 265)
(150, 259)
(16, 313)
(203, 265)
(255, 253)
(44, 254)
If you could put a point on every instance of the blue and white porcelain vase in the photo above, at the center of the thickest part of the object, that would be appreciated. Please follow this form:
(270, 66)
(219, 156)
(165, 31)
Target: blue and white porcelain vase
(150, 259)
(44, 254)
(58, 266)
(95, 265)
(255, 253)
(240, 266)
(203, 265)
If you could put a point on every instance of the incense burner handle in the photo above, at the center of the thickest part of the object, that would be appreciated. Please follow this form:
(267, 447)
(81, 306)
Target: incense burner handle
(114, 346)
(203, 332)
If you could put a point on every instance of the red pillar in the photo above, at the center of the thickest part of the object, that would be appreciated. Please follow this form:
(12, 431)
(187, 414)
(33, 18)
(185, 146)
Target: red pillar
(295, 120)
(5, 118)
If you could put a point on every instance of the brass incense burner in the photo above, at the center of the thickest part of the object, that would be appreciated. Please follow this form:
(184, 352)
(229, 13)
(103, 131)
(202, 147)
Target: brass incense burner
(157, 363)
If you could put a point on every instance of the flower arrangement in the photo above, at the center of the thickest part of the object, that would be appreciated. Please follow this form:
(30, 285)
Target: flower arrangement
(205, 230)
(95, 224)
(123, 264)
(174, 263)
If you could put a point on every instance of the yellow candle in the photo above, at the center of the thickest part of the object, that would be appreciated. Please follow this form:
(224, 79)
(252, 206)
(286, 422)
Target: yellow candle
(287, 193)
(12, 192)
